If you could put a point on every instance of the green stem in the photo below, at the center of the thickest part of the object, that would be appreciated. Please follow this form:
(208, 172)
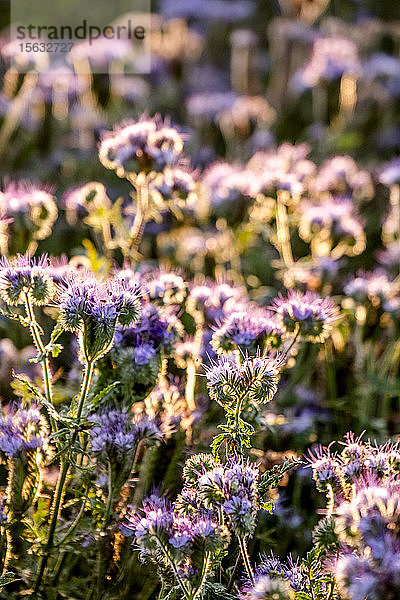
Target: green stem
(34, 328)
(246, 560)
(73, 525)
(185, 591)
(139, 222)
(110, 496)
(204, 571)
(292, 343)
(65, 464)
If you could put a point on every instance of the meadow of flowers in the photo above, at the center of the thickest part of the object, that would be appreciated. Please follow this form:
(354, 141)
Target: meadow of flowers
(200, 310)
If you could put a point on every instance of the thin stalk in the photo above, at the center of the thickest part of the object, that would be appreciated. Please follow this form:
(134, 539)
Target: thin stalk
(233, 574)
(204, 571)
(246, 560)
(73, 525)
(34, 328)
(142, 201)
(110, 496)
(331, 501)
(283, 231)
(65, 464)
(292, 343)
(185, 591)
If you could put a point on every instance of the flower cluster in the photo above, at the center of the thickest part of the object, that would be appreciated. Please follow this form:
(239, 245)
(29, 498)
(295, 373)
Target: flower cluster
(358, 462)
(30, 212)
(248, 330)
(282, 169)
(135, 360)
(330, 59)
(179, 544)
(24, 276)
(334, 217)
(115, 434)
(288, 579)
(255, 378)
(23, 430)
(116, 439)
(93, 309)
(141, 147)
(309, 314)
(232, 486)
(165, 287)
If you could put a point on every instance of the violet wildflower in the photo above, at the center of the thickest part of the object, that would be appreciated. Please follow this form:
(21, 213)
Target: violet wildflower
(143, 146)
(285, 168)
(135, 360)
(233, 487)
(166, 287)
(330, 59)
(229, 190)
(32, 208)
(93, 309)
(115, 439)
(256, 377)
(309, 314)
(267, 588)
(326, 470)
(23, 430)
(23, 276)
(172, 184)
(389, 173)
(248, 329)
(340, 175)
(115, 433)
(336, 216)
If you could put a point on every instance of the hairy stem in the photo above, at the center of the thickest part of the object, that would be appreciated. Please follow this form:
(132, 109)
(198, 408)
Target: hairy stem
(34, 328)
(283, 231)
(204, 572)
(246, 560)
(142, 201)
(65, 464)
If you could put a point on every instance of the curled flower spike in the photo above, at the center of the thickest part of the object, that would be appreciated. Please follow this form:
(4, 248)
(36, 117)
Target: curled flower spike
(257, 377)
(326, 469)
(25, 275)
(247, 329)
(23, 430)
(143, 146)
(94, 309)
(167, 287)
(267, 588)
(312, 315)
(30, 206)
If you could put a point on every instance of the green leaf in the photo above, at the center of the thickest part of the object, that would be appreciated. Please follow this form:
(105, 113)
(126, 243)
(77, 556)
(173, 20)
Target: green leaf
(94, 402)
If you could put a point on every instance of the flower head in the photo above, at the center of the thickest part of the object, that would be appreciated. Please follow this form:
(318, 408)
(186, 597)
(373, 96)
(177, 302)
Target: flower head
(312, 315)
(94, 309)
(23, 275)
(257, 377)
(22, 431)
(248, 329)
(141, 146)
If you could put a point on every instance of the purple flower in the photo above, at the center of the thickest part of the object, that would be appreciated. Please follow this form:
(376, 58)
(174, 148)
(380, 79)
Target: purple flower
(23, 275)
(144, 353)
(330, 59)
(165, 286)
(142, 146)
(250, 328)
(23, 430)
(94, 309)
(312, 315)
(115, 433)
(389, 173)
